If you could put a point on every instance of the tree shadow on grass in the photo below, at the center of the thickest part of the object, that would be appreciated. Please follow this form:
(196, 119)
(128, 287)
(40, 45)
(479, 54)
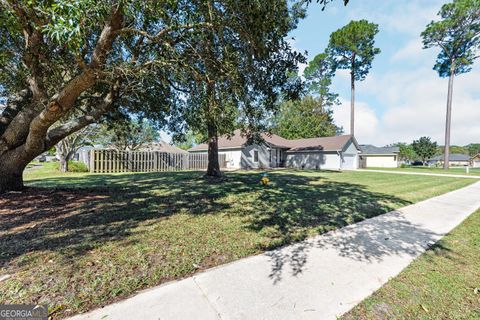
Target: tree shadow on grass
(93, 210)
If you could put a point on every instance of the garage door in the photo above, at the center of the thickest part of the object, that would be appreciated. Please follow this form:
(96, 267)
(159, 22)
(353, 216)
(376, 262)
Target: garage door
(476, 164)
(350, 161)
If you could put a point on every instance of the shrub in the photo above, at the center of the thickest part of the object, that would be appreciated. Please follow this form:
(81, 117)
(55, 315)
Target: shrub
(404, 165)
(75, 166)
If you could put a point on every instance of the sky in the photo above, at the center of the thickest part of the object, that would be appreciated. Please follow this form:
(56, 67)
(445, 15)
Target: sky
(402, 98)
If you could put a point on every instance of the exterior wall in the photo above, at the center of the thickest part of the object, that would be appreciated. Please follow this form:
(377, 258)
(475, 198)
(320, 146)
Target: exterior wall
(349, 156)
(381, 161)
(247, 160)
(476, 162)
(451, 163)
(313, 160)
(232, 157)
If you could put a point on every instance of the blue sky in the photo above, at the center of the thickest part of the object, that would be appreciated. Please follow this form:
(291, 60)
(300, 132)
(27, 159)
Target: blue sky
(402, 97)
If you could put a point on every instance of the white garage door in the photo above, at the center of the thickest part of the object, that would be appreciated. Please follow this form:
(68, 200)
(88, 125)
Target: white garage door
(476, 164)
(350, 161)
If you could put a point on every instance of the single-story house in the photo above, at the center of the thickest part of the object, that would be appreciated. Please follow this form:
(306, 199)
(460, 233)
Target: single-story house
(475, 161)
(455, 159)
(381, 157)
(331, 153)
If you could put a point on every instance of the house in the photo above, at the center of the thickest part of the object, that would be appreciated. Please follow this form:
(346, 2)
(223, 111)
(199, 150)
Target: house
(455, 159)
(475, 161)
(332, 153)
(379, 157)
(163, 146)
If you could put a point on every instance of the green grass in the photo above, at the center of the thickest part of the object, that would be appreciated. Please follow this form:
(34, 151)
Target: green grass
(443, 283)
(452, 170)
(90, 239)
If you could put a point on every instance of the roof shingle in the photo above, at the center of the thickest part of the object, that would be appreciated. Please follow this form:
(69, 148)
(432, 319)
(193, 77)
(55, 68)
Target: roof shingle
(324, 143)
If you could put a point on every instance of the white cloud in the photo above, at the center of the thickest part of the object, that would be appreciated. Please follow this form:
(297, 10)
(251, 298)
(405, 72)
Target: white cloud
(399, 16)
(366, 122)
(414, 104)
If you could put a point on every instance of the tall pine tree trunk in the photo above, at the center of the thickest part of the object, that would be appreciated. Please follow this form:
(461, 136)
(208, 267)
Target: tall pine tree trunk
(213, 169)
(448, 121)
(352, 99)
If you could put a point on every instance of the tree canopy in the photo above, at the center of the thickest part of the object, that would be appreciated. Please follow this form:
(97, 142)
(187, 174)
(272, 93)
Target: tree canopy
(457, 35)
(304, 118)
(155, 59)
(353, 47)
(128, 134)
(424, 148)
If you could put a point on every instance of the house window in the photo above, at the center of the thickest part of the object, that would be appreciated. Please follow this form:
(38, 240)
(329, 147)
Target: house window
(255, 156)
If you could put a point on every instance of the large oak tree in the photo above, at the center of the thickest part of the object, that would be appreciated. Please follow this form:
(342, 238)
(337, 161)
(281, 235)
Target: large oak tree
(144, 57)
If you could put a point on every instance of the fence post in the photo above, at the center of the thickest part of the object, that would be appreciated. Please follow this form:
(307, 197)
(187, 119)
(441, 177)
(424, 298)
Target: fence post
(91, 162)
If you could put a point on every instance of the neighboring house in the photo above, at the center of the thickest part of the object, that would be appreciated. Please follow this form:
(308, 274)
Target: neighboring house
(475, 161)
(163, 146)
(456, 159)
(380, 157)
(334, 153)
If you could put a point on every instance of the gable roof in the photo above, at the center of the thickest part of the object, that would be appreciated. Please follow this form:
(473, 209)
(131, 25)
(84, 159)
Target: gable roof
(453, 157)
(335, 143)
(371, 149)
(163, 146)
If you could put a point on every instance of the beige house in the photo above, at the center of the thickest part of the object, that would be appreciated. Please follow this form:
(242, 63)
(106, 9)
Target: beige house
(329, 153)
(378, 157)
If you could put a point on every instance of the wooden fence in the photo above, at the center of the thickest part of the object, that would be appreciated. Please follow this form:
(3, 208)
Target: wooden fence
(111, 161)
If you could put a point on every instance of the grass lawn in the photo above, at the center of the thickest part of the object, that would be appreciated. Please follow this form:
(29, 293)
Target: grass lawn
(90, 239)
(443, 283)
(452, 170)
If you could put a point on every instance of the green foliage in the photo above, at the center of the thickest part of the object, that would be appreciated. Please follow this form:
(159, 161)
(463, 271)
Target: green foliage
(457, 34)
(318, 75)
(406, 151)
(453, 149)
(128, 134)
(305, 118)
(473, 149)
(353, 47)
(240, 71)
(424, 148)
(74, 166)
(188, 140)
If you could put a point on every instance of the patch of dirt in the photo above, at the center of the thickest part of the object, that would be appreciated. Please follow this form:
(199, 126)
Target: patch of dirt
(25, 209)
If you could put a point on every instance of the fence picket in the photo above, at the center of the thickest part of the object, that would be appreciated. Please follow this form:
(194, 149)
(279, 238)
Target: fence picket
(112, 161)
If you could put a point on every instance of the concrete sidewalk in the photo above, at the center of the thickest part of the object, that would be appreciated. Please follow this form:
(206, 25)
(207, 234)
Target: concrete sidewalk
(320, 278)
(422, 173)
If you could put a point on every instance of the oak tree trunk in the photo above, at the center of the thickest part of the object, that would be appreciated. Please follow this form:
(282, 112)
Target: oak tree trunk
(11, 172)
(448, 121)
(63, 164)
(213, 168)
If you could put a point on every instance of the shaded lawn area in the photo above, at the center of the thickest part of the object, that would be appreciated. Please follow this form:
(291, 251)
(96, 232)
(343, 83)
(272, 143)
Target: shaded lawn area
(79, 241)
(443, 283)
(452, 170)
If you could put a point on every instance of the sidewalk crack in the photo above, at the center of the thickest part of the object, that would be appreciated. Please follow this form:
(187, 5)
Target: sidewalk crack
(206, 298)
